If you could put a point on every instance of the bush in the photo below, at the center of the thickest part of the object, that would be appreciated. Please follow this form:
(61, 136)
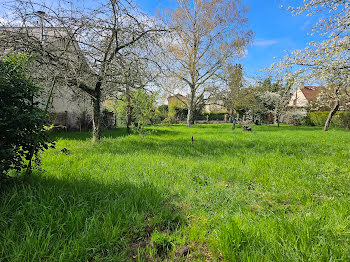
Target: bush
(120, 110)
(340, 119)
(163, 108)
(295, 118)
(211, 116)
(22, 132)
(345, 119)
(177, 113)
(161, 113)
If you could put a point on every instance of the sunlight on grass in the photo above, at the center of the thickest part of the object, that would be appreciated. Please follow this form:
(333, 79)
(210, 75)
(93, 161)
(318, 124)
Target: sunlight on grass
(270, 195)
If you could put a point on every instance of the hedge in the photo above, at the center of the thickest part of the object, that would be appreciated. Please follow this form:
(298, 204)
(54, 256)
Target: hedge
(211, 116)
(340, 119)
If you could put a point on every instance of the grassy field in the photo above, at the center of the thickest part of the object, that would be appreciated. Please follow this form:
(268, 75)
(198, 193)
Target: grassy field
(270, 195)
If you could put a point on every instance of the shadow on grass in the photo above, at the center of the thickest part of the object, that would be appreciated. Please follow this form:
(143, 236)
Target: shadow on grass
(217, 140)
(43, 218)
(269, 128)
(87, 135)
(114, 133)
(202, 147)
(275, 128)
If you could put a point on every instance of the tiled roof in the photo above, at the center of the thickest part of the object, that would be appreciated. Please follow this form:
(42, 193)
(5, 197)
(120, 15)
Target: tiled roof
(178, 96)
(311, 92)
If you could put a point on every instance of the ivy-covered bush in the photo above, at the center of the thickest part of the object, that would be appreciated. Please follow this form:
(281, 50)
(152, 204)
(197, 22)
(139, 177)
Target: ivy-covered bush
(22, 133)
(340, 119)
(177, 111)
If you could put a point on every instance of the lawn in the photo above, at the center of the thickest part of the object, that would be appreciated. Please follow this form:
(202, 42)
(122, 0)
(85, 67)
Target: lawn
(267, 195)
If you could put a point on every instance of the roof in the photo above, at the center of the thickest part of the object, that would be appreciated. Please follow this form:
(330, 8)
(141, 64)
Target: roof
(311, 92)
(179, 96)
(29, 36)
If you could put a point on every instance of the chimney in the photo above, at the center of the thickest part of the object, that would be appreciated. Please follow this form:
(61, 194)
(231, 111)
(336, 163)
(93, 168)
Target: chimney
(41, 15)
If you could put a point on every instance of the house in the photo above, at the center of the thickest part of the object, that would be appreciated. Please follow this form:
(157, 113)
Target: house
(70, 108)
(211, 105)
(215, 106)
(304, 95)
(178, 99)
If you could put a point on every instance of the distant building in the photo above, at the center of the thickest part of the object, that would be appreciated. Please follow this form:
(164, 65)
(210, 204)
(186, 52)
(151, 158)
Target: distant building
(211, 106)
(304, 95)
(178, 98)
(215, 106)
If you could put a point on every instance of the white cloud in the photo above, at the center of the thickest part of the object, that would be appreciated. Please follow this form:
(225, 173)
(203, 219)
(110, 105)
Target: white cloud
(264, 42)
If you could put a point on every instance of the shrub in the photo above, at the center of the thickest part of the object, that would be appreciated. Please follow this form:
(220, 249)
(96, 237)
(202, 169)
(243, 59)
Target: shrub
(120, 110)
(142, 104)
(340, 119)
(161, 113)
(177, 110)
(295, 118)
(345, 119)
(163, 108)
(211, 116)
(318, 118)
(22, 132)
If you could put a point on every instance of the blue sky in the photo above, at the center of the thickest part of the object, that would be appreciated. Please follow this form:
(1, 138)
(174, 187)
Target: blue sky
(275, 29)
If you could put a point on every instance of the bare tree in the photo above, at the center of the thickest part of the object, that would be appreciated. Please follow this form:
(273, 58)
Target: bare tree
(205, 35)
(85, 45)
(233, 83)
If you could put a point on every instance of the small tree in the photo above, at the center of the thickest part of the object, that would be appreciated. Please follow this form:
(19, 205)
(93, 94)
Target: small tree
(275, 100)
(143, 104)
(247, 105)
(120, 110)
(22, 133)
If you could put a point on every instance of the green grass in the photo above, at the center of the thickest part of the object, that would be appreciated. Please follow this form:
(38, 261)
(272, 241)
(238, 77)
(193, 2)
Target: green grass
(270, 195)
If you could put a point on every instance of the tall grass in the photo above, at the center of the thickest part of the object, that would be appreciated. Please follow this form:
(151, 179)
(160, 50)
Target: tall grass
(270, 195)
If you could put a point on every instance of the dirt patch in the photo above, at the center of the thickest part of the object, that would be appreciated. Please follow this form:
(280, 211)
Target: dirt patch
(183, 251)
(195, 252)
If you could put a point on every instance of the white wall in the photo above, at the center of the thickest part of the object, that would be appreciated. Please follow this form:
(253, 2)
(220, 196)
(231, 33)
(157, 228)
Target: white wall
(301, 100)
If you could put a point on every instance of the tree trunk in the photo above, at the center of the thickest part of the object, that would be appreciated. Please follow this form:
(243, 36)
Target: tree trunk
(230, 119)
(190, 110)
(274, 118)
(96, 119)
(233, 122)
(331, 114)
(128, 110)
(189, 116)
